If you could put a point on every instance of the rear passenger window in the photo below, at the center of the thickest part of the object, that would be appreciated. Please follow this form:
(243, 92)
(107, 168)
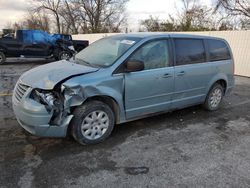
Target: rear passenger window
(218, 50)
(189, 51)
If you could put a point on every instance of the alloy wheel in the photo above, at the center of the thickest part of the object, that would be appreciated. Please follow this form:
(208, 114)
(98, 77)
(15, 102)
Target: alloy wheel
(216, 97)
(65, 56)
(95, 124)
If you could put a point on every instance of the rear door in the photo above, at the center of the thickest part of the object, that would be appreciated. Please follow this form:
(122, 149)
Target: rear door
(192, 72)
(150, 90)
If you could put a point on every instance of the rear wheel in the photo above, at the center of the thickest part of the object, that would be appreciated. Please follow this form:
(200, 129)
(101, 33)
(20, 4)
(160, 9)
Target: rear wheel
(93, 122)
(214, 97)
(2, 58)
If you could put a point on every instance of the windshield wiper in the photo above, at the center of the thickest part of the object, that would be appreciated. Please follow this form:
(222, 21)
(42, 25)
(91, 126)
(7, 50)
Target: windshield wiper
(83, 62)
(87, 63)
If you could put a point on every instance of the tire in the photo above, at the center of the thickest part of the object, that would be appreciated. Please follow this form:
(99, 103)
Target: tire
(85, 125)
(214, 97)
(63, 55)
(2, 58)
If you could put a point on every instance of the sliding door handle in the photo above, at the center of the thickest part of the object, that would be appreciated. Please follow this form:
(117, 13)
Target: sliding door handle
(167, 75)
(181, 73)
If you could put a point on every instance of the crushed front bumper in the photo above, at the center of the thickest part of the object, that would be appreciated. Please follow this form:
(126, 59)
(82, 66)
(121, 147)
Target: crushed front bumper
(34, 118)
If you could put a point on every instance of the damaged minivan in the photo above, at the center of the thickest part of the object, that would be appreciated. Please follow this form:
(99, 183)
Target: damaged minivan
(122, 78)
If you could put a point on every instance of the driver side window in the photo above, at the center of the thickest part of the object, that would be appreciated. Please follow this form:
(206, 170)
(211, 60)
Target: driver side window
(154, 54)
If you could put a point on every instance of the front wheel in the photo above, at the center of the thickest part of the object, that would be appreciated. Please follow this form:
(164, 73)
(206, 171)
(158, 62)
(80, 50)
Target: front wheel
(2, 58)
(64, 55)
(214, 97)
(93, 122)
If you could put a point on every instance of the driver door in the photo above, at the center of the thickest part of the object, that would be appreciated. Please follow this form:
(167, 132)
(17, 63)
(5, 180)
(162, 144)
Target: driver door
(150, 91)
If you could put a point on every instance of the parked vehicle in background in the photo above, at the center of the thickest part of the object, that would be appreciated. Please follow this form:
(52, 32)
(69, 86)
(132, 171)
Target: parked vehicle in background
(78, 44)
(120, 79)
(7, 33)
(34, 44)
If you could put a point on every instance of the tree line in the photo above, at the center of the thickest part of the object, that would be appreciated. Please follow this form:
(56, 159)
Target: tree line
(104, 16)
(193, 16)
(75, 16)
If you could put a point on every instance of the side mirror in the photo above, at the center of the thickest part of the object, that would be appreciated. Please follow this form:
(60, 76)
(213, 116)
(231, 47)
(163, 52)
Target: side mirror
(134, 66)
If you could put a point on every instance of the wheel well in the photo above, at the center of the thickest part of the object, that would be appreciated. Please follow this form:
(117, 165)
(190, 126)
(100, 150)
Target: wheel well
(223, 83)
(3, 52)
(56, 51)
(110, 102)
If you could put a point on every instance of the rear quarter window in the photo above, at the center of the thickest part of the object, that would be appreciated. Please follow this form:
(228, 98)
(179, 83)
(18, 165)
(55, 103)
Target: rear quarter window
(218, 50)
(189, 51)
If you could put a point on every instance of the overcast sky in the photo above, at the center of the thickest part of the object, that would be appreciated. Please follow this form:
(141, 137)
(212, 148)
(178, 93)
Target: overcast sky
(12, 10)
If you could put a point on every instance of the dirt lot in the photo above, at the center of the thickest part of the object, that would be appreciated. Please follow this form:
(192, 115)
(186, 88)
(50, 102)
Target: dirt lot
(186, 148)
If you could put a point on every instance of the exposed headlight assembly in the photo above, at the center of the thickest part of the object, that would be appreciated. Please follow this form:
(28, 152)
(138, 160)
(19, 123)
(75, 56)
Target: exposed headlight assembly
(44, 97)
(67, 91)
(52, 101)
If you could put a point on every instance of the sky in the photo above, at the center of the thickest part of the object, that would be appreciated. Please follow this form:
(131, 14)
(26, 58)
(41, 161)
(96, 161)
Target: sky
(13, 10)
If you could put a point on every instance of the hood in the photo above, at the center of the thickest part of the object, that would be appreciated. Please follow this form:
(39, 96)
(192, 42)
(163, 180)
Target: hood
(47, 76)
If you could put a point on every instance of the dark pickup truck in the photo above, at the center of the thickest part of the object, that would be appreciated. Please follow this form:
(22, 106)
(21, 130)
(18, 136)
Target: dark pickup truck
(35, 44)
(78, 44)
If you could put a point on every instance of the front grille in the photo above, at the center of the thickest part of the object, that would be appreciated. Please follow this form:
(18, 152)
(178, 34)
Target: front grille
(20, 90)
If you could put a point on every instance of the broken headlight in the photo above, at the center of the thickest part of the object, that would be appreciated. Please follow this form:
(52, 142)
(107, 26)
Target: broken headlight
(52, 101)
(68, 91)
(44, 97)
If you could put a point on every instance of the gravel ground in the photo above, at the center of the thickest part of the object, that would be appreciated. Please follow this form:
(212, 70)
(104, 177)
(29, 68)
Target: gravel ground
(185, 148)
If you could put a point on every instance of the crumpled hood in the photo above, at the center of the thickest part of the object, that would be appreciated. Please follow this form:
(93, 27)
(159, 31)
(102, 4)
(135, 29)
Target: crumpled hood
(47, 76)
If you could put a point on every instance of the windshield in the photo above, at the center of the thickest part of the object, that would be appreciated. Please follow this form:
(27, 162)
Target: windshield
(106, 51)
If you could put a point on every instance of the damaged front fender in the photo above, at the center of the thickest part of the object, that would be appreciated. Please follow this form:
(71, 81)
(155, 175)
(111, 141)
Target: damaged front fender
(76, 94)
(73, 96)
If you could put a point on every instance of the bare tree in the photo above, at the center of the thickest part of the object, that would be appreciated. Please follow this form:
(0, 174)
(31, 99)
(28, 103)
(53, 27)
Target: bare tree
(194, 16)
(234, 7)
(101, 15)
(151, 24)
(70, 17)
(236, 13)
(225, 25)
(85, 16)
(191, 17)
(245, 23)
(52, 6)
(38, 20)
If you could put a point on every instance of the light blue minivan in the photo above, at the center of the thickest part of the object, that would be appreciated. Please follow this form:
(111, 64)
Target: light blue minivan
(122, 78)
